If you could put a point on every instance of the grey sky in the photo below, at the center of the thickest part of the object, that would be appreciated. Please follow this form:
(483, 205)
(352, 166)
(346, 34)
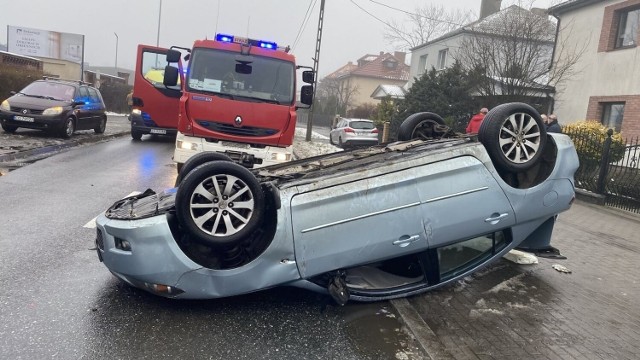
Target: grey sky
(348, 32)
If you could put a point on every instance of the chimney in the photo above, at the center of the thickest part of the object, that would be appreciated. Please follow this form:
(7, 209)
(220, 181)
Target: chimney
(400, 55)
(489, 7)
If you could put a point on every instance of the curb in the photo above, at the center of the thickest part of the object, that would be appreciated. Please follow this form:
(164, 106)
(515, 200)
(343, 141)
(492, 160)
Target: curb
(420, 330)
(40, 153)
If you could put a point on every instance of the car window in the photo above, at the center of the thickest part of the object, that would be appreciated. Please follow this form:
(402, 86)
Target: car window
(361, 125)
(83, 94)
(49, 89)
(94, 95)
(153, 68)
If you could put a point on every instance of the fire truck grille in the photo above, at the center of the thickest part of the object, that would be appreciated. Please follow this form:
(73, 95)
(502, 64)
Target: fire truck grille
(237, 131)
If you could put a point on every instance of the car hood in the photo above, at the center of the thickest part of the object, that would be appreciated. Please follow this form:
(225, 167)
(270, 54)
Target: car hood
(28, 102)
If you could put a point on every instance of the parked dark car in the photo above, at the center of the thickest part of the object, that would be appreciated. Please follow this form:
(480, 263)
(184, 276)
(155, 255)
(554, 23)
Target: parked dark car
(366, 224)
(56, 106)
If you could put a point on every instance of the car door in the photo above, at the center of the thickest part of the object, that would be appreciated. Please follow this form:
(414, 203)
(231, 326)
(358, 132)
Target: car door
(158, 103)
(84, 112)
(96, 108)
(368, 219)
(460, 199)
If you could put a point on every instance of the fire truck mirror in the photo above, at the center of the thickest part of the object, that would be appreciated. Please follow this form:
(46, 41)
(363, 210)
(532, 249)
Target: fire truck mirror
(170, 76)
(308, 76)
(173, 56)
(243, 68)
(306, 94)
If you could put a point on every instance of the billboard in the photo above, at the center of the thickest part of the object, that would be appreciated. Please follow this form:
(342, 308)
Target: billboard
(43, 43)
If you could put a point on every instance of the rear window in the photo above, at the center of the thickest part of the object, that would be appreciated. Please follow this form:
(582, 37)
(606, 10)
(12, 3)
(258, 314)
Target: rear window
(361, 125)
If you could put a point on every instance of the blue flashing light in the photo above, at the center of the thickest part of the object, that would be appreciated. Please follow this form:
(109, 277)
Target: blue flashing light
(267, 45)
(224, 38)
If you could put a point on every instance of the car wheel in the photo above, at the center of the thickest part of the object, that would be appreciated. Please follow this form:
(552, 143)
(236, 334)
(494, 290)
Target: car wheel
(220, 203)
(102, 126)
(9, 128)
(197, 160)
(69, 128)
(514, 136)
(331, 140)
(136, 135)
(340, 143)
(419, 126)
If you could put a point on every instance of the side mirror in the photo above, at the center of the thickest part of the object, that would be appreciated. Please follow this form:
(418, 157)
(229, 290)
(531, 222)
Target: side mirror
(78, 103)
(170, 76)
(308, 76)
(12, 92)
(173, 56)
(306, 94)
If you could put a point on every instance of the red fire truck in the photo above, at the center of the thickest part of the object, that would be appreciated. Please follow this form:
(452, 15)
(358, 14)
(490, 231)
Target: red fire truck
(237, 96)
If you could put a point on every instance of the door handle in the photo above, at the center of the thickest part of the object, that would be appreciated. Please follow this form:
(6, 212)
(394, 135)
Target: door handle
(405, 240)
(495, 218)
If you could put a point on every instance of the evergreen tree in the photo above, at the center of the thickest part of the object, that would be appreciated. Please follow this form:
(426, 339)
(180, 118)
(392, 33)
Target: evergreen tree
(444, 92)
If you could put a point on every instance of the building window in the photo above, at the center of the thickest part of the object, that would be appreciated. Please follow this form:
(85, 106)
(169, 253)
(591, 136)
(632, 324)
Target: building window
(442, 58)
(422, 64)
(627, 34)
(612, 114)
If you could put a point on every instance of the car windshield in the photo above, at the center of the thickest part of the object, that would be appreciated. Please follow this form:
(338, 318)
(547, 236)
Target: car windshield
(241, 76)
(49, 90)
(361, 125)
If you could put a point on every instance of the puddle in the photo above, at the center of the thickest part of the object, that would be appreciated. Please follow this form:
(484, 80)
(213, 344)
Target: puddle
(375, 331)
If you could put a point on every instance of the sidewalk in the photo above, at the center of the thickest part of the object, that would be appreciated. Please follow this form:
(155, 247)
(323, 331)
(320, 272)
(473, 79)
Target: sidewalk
(510, 311)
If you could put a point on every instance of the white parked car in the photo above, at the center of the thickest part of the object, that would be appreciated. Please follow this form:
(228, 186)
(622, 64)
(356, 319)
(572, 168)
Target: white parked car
(354, 132)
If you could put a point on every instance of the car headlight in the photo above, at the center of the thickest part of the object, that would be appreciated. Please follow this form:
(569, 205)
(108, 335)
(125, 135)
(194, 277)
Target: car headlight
(5, 106)
(280, 157)
(187, 145)
(56, 110)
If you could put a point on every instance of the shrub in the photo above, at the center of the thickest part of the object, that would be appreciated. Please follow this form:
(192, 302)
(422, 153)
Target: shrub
(15, 79)
(588, 137)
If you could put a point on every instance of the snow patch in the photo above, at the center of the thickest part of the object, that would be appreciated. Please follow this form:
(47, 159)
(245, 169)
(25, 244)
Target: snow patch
(508, 285)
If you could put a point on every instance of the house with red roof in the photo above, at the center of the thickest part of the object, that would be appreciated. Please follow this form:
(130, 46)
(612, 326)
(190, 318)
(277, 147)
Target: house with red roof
(371, 71)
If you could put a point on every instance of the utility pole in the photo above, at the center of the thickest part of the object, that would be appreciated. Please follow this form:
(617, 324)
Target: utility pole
(316, 62)
(116, 53)
(159, 18)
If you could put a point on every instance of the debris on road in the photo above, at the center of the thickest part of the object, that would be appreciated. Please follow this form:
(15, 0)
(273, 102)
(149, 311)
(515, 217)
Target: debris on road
(521, 257)
(561, 268)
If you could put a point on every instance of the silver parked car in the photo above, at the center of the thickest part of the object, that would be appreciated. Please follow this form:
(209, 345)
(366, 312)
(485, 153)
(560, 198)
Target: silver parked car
(367, 224)
(353, 132)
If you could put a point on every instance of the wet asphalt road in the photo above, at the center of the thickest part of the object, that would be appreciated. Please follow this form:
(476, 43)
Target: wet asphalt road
(58, 301)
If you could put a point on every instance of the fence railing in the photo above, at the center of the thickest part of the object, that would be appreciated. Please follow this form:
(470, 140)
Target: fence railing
(608, 167)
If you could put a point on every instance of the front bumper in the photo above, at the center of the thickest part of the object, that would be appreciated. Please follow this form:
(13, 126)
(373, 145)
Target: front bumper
(33, 121)
(145, 125)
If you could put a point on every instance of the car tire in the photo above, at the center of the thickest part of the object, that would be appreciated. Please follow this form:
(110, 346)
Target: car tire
(136, 135)
(340, 143)
(102, 126)
(9, 128)
(69, 128)
(419, 126)
(331, 140)
(197, 160)
(514, 136)
(220, 203)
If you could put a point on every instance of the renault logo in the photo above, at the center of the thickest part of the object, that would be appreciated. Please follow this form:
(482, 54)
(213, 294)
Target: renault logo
(238, 121)
(25, 111)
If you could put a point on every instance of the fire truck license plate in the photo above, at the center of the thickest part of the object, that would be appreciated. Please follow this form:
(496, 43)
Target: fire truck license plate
(233, 144)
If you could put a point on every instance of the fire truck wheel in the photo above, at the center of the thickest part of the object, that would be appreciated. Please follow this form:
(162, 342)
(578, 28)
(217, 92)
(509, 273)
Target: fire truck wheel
(197, 160)
(220, 203)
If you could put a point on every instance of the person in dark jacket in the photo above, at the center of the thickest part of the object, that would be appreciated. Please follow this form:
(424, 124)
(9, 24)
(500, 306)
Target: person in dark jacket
(552, 124)
(476, 120)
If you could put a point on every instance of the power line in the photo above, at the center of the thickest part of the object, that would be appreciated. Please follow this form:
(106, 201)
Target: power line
(305, 20)
(415, 14)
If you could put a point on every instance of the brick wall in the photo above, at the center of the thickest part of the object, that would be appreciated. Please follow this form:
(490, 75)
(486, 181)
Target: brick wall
(631, 117)
(610, 23)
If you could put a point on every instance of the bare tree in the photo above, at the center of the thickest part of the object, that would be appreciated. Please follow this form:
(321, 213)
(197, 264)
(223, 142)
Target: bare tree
(338, 92)
(511, 55)
(424, 24)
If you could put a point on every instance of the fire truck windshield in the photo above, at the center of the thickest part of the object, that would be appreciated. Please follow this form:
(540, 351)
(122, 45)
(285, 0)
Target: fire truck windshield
(241, 77)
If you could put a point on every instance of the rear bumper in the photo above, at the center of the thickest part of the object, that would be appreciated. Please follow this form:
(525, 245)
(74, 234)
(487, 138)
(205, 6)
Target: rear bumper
(147, 126)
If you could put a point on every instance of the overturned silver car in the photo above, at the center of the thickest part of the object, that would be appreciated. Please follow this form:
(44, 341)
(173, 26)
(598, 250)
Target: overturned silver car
(368, 224)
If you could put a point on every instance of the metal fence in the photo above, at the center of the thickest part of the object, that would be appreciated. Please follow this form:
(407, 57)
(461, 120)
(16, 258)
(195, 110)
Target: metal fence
(609, 168)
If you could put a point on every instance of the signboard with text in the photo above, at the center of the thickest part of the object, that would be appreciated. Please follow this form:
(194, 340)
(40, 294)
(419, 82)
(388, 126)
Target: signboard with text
(43, 43)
